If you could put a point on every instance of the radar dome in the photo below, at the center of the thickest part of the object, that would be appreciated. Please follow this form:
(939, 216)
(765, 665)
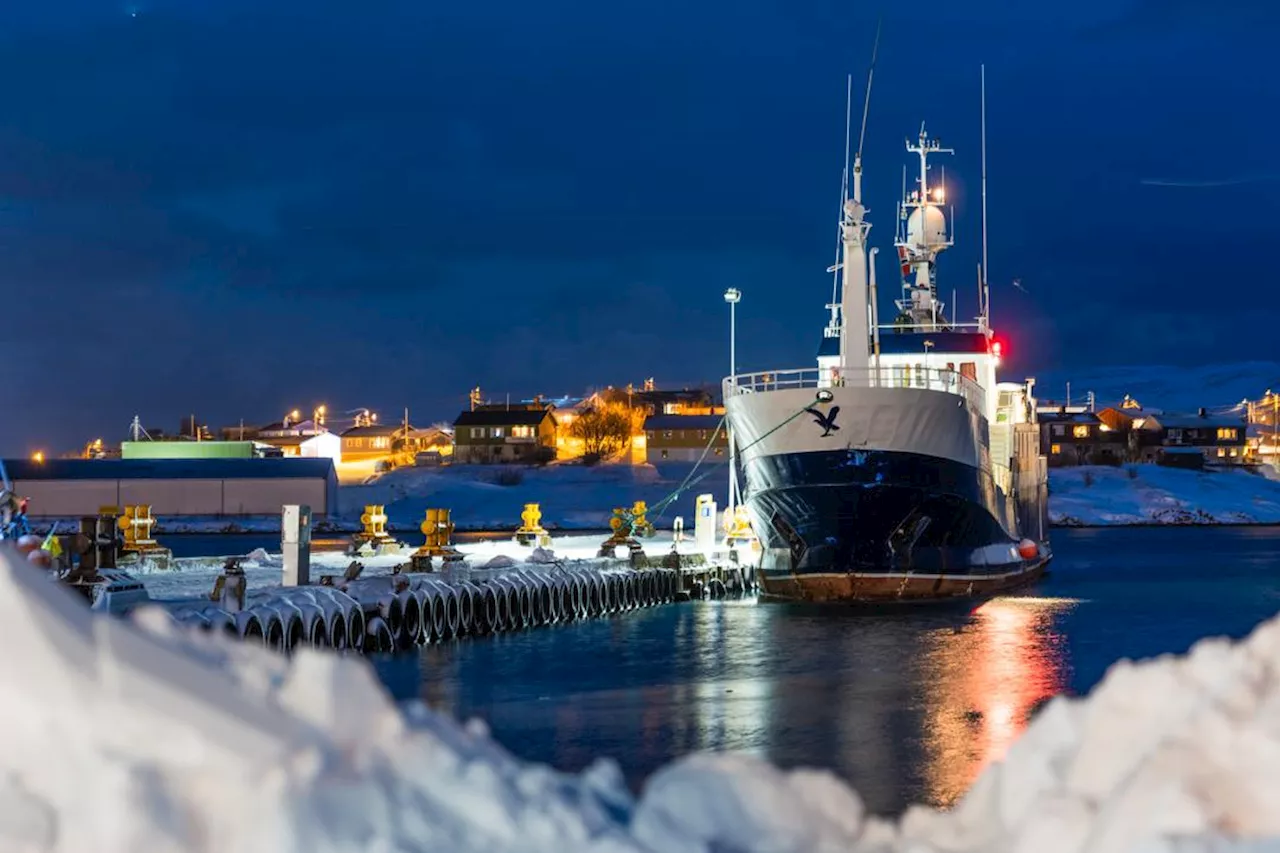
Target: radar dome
(934, 231)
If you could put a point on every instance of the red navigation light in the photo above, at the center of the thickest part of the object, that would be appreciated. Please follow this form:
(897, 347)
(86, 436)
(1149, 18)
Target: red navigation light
(997, 348)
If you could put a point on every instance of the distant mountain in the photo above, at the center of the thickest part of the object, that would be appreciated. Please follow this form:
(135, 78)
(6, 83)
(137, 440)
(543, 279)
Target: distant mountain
(1182, 389)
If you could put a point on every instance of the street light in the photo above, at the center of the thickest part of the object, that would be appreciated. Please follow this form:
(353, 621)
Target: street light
(732, 296)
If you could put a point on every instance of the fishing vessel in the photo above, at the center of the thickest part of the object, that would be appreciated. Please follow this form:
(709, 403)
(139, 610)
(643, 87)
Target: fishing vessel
(899, 469)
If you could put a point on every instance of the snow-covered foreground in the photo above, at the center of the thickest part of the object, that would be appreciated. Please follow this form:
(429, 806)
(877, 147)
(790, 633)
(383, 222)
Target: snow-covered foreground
(134, 737)
(1151, 494)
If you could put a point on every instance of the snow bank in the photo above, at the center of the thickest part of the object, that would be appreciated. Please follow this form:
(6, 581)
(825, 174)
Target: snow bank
(491, 497)
(141, 738)
(1152, 494)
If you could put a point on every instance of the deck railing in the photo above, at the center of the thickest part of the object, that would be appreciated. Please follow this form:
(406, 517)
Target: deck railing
(897, 376)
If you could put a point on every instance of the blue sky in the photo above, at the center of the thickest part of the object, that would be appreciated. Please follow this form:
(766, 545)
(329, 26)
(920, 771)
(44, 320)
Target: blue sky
(236, 208)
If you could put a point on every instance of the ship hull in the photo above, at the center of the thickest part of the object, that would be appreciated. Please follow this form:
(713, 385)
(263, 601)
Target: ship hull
(903, 510)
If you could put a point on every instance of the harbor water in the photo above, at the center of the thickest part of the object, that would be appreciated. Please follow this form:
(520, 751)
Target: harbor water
(908, 707)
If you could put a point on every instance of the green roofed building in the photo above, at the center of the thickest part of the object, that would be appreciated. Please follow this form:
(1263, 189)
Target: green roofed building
(187, 450)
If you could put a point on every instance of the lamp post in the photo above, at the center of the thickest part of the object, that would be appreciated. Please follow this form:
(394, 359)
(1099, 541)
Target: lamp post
(732, 296)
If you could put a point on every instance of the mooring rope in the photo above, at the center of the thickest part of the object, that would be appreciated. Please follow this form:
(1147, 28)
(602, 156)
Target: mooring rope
(658, 508)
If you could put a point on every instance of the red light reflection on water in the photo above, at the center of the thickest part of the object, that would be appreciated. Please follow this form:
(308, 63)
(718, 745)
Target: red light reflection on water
(988, 677)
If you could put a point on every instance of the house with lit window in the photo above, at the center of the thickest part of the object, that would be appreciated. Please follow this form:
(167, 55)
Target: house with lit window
(1201, 439)
(372, 443)
(1143, 437)
(684, 438)
(518, 433)
(1073, 435)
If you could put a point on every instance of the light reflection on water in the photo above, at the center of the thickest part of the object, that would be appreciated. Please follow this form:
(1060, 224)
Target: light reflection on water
(989, 677)
(907, 706)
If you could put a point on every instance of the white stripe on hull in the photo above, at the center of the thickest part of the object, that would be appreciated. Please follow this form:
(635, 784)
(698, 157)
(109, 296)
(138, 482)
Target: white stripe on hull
(906, 420)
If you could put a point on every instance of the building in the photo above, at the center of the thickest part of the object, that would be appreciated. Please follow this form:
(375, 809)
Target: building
(684, 438)
(70, 488)
(685, 401)
(1216, 439)
(1076, 436)
(320, 445)
(374, 443)
(431, 440)
(502, 434)
(187, 450)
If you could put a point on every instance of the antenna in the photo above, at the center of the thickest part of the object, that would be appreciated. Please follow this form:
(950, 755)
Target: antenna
(866, 107)
(848, 127)
(866, 102)
(986, 291)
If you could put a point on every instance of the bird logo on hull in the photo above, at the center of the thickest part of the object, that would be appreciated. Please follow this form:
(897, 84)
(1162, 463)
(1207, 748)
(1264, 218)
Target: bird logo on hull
(826, 421)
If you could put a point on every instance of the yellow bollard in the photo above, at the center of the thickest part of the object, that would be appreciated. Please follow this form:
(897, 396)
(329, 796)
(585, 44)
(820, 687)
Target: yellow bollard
(135, 524)
(531, 530)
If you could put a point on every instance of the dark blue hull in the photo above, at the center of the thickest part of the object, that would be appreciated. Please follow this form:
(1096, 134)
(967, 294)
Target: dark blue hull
(876, 525)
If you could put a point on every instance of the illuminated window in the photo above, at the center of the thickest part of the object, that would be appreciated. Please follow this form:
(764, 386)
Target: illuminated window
(522, 431)
(1055, 449)
(495, 432)
(1233, 453)
(1222, 451)
(1228, 434)
(1080, 431)
(477, 432)
(666, 433)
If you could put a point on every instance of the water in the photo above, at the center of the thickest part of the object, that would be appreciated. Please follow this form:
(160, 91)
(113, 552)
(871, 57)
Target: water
(907, 707)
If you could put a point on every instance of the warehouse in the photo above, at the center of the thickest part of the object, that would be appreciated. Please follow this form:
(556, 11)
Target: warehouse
(67, 488)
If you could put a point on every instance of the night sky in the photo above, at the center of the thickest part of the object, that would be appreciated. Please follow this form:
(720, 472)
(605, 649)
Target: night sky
(235, 208)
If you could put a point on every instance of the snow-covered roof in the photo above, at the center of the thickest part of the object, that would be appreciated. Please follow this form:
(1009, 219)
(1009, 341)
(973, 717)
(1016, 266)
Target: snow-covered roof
(1173, 420)
(1068, 417)
(374, 430)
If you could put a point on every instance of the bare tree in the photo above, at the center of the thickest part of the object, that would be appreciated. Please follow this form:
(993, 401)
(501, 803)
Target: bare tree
(607, 428)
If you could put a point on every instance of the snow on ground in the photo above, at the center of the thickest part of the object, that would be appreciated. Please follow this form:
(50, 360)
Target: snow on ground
(491, 497)
(194, 577)
(1151, 494)
(1171, 389)
(147, 739)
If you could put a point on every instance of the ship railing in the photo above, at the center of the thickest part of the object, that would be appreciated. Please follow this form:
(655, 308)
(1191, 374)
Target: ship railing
(924, 378)
(932, 327)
